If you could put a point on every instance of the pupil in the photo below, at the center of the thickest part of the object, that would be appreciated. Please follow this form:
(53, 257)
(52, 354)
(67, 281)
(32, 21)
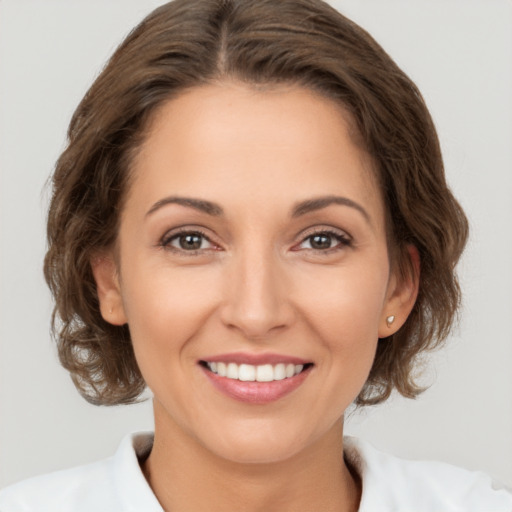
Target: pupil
(321, 242)
(190, 241)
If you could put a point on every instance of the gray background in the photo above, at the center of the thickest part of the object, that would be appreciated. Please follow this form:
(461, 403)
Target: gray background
(460, 54)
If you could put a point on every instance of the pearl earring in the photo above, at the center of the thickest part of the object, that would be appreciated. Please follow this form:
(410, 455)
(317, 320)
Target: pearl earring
(389, 320)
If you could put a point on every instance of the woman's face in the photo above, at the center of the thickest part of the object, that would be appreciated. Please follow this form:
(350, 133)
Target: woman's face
(252, 242)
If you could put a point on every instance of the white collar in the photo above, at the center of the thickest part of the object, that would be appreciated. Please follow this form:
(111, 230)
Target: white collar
(390, 484)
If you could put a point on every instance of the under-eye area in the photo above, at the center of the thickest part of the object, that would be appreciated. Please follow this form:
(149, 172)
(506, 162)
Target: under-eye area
(256, 373)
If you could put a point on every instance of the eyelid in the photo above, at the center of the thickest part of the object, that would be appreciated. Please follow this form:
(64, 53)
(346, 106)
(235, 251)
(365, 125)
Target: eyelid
(170, 235)
(344, 239)
(325, 229)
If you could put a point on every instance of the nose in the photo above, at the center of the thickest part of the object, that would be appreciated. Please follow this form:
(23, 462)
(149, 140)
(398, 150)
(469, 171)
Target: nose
(256, 301)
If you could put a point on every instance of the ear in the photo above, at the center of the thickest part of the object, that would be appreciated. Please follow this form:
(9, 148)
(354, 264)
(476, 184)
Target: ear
(106, 276)
(401, 296)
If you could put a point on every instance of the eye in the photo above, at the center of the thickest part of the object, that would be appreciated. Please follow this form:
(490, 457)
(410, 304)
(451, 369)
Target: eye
(325, 240)
(187, 241)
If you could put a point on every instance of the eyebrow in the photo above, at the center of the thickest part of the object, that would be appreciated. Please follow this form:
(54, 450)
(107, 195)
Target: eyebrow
(198, 204)
(299, 209)
(318, 203)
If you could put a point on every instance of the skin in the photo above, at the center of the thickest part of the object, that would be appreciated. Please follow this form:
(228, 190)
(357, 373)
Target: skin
(257, 284)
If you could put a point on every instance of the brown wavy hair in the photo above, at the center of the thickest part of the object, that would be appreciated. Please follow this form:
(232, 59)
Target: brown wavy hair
(187, 43)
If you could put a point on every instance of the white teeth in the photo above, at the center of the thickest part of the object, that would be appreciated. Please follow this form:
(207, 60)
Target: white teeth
(265, 373)
(251, 373)
(232, 371)
(279, 371)
(221, 369)
(246, 372)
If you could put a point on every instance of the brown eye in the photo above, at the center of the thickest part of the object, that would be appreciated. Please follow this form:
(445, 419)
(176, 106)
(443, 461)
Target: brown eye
(325, 240)
(190, 242)
(321, 241)
(187, 241)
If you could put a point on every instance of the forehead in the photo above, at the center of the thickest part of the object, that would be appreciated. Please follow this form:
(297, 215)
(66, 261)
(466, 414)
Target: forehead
(229, 142)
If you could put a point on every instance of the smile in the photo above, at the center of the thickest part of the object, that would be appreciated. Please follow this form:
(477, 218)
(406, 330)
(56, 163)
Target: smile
(256, 379)
(253, 373)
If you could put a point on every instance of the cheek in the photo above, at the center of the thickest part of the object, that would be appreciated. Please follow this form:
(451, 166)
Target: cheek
(348, 302)
(165, 309)
(344, 312)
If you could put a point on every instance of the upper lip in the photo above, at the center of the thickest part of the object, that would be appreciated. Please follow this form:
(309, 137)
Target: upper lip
(254, 359)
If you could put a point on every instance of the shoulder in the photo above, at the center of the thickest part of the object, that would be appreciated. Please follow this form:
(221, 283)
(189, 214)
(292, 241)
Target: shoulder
(61, 490)
(116, 483)
(398, 485)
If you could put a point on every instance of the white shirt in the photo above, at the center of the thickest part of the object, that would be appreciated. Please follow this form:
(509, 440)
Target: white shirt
(390, 484)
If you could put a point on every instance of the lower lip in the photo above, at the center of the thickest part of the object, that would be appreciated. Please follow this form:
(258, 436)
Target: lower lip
(256, 392)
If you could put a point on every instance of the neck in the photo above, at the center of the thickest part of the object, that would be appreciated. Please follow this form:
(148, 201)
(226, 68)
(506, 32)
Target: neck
(185, 476)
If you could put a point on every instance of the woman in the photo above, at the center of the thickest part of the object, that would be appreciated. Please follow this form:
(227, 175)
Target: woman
(251, 218)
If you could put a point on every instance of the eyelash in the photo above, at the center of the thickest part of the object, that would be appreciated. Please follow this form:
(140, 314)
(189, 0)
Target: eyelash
(168, 238)
(342, 239)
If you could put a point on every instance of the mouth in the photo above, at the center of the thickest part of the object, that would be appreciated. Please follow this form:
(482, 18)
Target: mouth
(263, 382)
(255, 373)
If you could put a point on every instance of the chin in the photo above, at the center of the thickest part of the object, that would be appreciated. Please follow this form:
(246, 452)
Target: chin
(255, 452)
(259, 443)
